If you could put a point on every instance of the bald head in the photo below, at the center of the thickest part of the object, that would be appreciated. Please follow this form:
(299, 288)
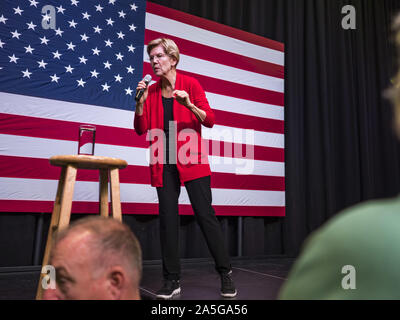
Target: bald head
(394, 92)
(99, 252)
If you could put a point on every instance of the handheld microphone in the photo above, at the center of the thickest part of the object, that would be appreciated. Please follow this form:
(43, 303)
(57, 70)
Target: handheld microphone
(139, 93)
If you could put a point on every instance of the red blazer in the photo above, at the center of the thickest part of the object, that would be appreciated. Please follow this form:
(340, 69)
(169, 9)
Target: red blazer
(191, 152)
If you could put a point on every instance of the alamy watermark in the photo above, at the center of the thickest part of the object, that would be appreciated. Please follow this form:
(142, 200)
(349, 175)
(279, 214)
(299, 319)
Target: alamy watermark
(349, 20)
(49, 17)
(49, 278)
(349, 280)
(229, 146)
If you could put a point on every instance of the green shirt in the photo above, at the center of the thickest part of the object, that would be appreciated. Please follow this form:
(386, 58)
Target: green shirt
(366, 238)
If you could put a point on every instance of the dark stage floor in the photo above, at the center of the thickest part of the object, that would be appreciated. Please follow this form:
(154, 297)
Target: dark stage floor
(258, 279)
(255, 279)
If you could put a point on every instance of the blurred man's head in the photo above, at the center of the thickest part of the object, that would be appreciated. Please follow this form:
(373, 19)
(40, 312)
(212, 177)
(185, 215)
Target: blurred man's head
(96, 258)
(394, 92)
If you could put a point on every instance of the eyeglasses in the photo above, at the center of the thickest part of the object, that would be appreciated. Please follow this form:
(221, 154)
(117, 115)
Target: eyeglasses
(158, 56)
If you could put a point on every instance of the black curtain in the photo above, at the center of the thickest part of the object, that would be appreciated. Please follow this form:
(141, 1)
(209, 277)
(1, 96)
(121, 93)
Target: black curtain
(340, 148)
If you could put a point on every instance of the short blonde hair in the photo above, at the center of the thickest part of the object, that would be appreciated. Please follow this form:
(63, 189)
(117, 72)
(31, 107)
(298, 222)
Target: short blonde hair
(170, 47)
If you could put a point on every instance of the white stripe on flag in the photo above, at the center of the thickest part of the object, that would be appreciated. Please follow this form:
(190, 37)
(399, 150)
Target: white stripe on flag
(65, 111)
(45, 190)
(246, 107)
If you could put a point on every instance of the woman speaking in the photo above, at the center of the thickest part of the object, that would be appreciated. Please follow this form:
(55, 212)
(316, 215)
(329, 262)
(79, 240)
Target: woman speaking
(177, 106)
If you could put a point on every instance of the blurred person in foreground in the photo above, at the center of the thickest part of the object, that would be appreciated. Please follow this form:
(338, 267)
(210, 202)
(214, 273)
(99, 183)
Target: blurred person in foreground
(96, 258)
(356, 254)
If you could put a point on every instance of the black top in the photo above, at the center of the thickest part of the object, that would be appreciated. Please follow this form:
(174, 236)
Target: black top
(169, 116)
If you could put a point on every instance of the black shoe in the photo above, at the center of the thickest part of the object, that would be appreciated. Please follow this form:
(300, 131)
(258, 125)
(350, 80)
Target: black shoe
(170, 288)
(228, 289)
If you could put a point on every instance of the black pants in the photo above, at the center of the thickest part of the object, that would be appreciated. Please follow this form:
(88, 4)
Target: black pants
(199, 191)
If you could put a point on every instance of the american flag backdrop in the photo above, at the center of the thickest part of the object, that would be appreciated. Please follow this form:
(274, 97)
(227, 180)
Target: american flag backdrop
(84, 68)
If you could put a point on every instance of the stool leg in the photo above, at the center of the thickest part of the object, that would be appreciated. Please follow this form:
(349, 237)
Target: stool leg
(66, 199)
(55, 218)
(115, 194)
(104, 192)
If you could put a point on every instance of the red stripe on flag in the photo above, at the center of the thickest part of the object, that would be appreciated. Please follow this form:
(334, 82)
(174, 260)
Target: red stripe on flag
(213, 26)
(212, 54)
(260, 153)
(136, 208)
(236, 120)
(67, 130)
(250, 182)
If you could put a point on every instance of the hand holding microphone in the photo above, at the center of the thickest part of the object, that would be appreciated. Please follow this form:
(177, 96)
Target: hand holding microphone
(142, 90)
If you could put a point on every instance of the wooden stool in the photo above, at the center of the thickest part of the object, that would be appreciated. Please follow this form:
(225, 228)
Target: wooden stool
(62, 206)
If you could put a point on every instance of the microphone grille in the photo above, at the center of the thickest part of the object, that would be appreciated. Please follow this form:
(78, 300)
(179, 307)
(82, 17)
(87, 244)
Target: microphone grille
(147, 78)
